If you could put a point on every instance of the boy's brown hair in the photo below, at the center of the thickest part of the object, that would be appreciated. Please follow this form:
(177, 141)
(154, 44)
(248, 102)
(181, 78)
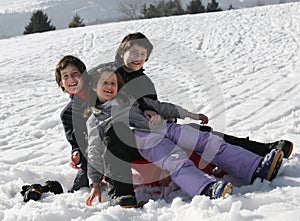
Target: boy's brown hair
(128, 41)
(63, 63)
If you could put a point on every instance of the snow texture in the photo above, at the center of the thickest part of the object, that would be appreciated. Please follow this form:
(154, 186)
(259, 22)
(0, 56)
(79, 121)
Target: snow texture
(241, 68)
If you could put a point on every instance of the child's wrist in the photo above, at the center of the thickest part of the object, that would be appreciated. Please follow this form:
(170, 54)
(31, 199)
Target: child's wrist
(192, 115)
(96, 185)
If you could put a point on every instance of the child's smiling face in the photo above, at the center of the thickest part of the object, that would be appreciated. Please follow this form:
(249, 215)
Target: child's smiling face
(70, 79)
(107, 87)
(134, 58)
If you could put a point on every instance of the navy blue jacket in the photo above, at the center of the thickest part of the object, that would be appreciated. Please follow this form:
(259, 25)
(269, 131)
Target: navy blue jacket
(75, 125)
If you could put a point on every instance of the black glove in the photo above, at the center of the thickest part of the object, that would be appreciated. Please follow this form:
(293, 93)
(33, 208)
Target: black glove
(53, 187)
(32, 192)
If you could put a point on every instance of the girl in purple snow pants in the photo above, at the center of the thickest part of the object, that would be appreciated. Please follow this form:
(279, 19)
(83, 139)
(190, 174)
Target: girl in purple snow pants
(166, 149)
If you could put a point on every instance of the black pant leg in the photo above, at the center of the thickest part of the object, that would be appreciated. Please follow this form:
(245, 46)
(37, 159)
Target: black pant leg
(118, 159)
(81, 179)
(258, 148)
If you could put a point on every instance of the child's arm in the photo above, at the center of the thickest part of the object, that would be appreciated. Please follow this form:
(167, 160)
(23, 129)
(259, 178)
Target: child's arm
(95, 152)
(67, 116)
(202, 117)
(66, 119)
(169, 110)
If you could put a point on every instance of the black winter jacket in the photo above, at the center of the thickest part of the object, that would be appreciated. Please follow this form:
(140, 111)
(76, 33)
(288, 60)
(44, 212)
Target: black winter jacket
(75, 125)
(138, 85)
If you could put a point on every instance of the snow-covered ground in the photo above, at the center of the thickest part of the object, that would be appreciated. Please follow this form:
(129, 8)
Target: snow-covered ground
(241, 68)
(15, 15)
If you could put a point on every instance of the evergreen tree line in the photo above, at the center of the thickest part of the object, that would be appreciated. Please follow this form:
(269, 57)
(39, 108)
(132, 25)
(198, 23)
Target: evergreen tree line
(39, 22)
(174, 7)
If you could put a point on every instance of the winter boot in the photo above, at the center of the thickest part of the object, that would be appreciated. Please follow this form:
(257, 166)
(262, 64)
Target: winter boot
(217, 189)
(127, 201)
(284, 145)
(269, 166)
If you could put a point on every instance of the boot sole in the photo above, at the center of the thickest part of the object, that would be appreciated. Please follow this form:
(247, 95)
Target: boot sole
(129, 206)
(275, 166)
(227, 190)
(139, 205)
(290, 151)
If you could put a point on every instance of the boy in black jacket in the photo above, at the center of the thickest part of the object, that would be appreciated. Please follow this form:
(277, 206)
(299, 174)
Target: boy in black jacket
(132, 53)
(68, 74)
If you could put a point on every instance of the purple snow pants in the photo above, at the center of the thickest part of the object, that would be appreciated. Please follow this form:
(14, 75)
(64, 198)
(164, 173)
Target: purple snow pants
(166, 149)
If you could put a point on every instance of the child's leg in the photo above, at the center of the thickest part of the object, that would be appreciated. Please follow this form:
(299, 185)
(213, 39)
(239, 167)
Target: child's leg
(81, 179)
(165, 154)
(258, 148)
(233, 159)
(118, 168)
(261, 149)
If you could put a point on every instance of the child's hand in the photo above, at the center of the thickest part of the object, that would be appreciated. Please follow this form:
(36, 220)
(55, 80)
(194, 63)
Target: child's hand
(155, 119)
(75, 159)
(203, 118)
(148, 114)
(171, 120)
(95, 191)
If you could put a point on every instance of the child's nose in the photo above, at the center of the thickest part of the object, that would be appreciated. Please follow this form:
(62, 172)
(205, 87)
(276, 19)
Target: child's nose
(138, 56)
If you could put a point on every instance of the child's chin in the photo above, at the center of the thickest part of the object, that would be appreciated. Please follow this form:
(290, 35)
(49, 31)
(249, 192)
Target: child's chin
(107, 98)
(135, 67)
(72, 91)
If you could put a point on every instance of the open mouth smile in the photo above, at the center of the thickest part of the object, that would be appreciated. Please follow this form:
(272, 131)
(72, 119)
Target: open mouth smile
(73, 84)
(108, 92)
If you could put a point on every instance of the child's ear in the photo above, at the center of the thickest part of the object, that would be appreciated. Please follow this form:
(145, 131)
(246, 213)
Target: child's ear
(94, 89)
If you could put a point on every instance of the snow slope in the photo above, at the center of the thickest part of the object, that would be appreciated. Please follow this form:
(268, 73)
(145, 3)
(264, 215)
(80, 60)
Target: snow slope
(15, 15)
(239, 67)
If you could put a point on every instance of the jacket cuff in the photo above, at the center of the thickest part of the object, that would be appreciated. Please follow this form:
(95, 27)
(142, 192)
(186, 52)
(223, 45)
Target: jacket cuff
(95, 179)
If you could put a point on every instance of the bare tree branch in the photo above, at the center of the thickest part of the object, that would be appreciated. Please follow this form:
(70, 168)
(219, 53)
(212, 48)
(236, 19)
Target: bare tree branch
(130, 8)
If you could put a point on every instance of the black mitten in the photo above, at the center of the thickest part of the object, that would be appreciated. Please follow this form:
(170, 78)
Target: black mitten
(53, 186)
(32, 192)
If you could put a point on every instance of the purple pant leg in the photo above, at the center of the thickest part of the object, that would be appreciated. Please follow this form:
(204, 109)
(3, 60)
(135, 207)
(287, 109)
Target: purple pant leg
(167, 155)
(232, 159)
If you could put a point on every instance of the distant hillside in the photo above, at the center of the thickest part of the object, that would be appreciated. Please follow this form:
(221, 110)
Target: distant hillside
(15, 15)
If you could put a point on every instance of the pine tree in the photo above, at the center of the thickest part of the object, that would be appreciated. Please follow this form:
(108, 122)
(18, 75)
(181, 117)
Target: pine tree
(77, 21)
(231, 7)
(213, 6)
(163, 8)
(173, 8)
(38, 23)
(151, 11)
(195, 6)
